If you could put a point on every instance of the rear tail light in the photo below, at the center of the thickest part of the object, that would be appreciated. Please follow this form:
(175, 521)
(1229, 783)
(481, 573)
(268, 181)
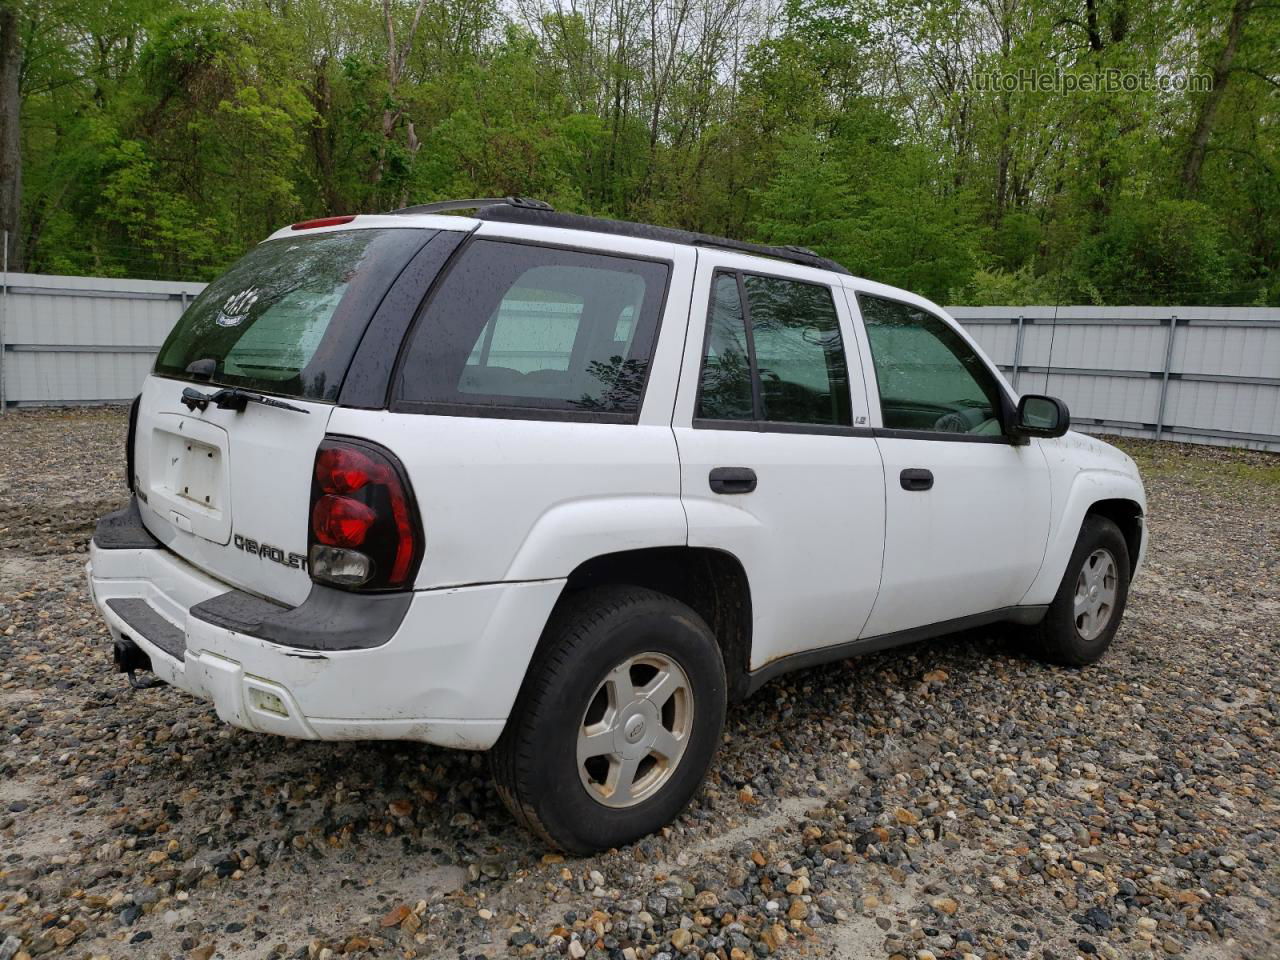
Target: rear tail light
(365, 531)
(341, 521)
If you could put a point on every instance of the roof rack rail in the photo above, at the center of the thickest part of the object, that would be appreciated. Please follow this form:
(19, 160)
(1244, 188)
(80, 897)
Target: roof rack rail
(542, 215)
(539, 212)
(444, 206)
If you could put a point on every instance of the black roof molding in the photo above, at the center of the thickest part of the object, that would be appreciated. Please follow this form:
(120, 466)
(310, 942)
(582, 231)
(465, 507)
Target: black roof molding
(542, 214)
(444, 206)
(546, 217)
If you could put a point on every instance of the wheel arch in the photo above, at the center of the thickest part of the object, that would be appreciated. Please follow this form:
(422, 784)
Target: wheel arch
(1117, 496)
(1128, 516)
(710, 581)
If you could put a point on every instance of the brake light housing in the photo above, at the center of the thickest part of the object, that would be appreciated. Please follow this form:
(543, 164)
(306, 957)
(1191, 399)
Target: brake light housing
(322, 222)
(365, 532)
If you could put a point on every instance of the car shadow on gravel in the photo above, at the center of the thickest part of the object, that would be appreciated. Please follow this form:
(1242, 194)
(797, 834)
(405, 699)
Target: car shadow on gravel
(256, 797)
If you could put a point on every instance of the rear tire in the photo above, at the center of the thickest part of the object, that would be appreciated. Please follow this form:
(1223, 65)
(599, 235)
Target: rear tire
(1086, 612)
(617, 721)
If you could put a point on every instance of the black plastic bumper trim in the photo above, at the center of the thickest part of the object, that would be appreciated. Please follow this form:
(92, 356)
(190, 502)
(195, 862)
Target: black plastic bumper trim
(147, 624)
(328, 620)
(123, 530)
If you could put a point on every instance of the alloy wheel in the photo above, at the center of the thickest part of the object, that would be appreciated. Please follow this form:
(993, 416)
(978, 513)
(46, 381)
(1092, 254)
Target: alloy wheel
(1095, 596)
(635, 730)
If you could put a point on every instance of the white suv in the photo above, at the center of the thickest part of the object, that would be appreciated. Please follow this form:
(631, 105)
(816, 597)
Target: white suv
(561, 487)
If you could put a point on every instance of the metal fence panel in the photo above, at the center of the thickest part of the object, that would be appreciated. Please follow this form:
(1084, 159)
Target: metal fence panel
(1198, 374)
(1201, 374)
(83, 339)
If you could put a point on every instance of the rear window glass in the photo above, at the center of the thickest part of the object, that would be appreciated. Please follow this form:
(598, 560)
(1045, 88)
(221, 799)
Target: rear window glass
(287, 317)
(520, 326)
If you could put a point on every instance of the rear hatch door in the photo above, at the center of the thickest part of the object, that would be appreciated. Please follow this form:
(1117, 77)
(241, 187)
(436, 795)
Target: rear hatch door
(240, 398)
(229, 491)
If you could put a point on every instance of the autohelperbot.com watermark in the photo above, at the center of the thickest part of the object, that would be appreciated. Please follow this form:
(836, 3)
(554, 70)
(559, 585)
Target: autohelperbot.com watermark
(1031, 80)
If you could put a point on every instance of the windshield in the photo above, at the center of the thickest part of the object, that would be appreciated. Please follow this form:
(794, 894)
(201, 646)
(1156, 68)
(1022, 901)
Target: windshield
(287, 317)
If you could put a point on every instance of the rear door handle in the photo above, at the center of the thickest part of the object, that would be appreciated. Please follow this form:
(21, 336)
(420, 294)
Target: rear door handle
(916, 478)
(732, 480)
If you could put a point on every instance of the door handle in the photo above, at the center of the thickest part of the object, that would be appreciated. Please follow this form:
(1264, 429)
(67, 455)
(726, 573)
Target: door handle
(916, 478)
(732, 480)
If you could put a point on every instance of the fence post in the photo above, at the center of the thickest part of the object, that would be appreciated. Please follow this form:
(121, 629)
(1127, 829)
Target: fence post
(4, 318)
(1017, 354)
(1164, 378)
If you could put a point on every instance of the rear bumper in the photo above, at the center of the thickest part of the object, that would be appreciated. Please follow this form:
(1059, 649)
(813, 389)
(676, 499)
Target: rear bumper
(448, 675)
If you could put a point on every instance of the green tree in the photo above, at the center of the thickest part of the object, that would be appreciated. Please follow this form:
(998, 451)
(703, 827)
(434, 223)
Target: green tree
(163, 137)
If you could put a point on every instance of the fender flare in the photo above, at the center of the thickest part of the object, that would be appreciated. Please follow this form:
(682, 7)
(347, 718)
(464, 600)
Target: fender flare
(569, 534)
(1088, 487)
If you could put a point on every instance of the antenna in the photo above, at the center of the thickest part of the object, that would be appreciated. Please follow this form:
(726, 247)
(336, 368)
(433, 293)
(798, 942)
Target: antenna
(1053, 328)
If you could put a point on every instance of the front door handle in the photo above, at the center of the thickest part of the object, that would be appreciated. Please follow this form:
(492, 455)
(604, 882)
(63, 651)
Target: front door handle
(916, 478)
(732, 480)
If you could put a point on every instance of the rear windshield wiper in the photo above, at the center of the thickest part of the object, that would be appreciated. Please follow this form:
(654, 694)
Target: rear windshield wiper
(232, 398)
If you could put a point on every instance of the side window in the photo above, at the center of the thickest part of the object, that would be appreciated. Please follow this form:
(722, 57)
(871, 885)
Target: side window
(517, 325)
(930, 378)
(800, 358)
(534, 328)
(785, 346)
(726, 367)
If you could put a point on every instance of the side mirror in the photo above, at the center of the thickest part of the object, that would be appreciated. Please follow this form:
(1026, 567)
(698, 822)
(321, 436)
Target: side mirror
(1040, 416)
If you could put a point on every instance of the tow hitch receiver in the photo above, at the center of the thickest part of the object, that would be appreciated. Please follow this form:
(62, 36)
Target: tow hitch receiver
(129, 657)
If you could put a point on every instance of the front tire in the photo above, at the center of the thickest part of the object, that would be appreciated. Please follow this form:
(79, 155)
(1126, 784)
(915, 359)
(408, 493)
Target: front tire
(617, 721)
(1086, 612)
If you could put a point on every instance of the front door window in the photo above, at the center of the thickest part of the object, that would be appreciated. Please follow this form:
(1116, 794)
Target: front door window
(930, 378)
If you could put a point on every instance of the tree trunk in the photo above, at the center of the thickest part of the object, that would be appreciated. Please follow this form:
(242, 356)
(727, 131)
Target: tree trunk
(397, 57)
(1091, 25)
(10, 131)
(322, 138)
(1208, 114)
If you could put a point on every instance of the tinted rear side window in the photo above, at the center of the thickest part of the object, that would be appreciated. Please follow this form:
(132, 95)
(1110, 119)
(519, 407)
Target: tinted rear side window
(785, 348)
(287, 317)
(536, 328)
(799, 353)
(726, 364)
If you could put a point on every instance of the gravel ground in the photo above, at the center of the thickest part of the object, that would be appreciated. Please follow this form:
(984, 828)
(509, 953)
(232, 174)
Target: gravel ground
(951, 799)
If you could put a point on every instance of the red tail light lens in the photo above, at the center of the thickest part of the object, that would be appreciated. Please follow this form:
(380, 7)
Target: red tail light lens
(341, 521)
(323, 222)
(343, 469)
(365, 532)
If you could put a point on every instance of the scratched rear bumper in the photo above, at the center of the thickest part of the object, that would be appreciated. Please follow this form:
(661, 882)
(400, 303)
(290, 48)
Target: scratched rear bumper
(448, 674)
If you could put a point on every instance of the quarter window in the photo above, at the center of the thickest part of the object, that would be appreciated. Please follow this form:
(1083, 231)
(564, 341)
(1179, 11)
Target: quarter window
(779, 360)
(516, 325)
(930, 378)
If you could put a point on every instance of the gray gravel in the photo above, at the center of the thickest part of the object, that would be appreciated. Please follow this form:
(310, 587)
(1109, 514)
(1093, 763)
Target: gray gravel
(952, 799)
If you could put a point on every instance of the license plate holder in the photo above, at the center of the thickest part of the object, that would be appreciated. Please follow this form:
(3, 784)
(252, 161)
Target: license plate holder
(199, 474)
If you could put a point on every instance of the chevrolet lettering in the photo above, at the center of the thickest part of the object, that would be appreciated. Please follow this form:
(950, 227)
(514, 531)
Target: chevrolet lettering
(297, 561)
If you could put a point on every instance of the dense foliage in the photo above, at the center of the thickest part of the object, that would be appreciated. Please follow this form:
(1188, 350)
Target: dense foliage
(160, 138)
